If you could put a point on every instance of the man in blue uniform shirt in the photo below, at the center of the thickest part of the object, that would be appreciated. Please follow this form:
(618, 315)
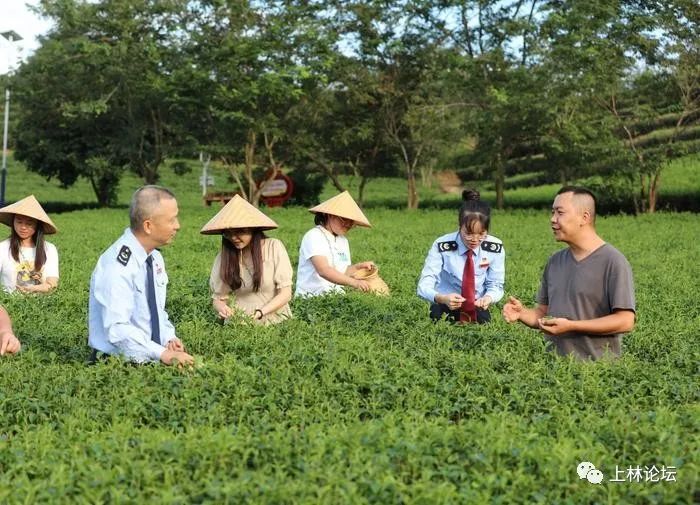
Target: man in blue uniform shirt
(128, 286)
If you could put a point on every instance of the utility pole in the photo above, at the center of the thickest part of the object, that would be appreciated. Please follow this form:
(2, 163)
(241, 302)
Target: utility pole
(12, 37)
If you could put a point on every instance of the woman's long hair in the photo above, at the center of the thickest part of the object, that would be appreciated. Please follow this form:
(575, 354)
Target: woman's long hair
(39, 255)
(474, 210)
(231, 261)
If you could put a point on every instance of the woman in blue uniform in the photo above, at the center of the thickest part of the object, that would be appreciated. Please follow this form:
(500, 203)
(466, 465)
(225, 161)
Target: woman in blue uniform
(464, 271)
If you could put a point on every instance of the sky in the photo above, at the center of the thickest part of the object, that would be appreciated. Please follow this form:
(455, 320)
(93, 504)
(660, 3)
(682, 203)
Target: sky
(14, 15)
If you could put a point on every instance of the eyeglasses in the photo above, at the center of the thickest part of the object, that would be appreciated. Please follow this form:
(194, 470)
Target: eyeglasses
(478, 236)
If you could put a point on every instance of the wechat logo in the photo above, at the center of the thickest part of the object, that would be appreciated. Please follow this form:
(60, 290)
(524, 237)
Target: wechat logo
(587, 470)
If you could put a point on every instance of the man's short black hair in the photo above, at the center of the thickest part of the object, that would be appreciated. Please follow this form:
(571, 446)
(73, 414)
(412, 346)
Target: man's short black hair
(578, 190)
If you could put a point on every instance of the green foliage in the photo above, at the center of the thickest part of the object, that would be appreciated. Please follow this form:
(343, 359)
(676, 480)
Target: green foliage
(307, 187)
(613, 194)
(100, 88)
(181, 167)
(359, 398)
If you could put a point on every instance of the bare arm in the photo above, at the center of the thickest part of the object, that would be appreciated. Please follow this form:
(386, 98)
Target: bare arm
(278, 301)
(368, 265)
(329, 273)
(45, 287)
(514, 311)
(9, 344)
(620, 321)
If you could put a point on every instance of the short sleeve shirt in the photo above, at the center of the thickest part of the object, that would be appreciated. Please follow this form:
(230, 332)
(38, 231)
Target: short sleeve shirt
(588, 289)
(22, 273)
(277, 274)
(320, 242)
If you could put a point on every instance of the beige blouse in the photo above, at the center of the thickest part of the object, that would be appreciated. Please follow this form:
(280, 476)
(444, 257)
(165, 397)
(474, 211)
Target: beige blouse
(277, 274)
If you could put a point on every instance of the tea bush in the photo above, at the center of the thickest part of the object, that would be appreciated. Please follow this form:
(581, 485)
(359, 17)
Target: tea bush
(359, 399)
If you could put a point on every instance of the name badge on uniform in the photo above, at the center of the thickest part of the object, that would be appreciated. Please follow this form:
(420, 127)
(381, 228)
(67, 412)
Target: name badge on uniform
(484, 263)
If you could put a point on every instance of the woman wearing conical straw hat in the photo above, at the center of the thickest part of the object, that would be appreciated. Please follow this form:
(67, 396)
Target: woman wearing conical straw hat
(255, 269)
(324, 255)
(28, 263)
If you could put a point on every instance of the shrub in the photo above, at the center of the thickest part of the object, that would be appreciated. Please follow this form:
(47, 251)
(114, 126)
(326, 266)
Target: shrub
(307, 187)
(181, 167)
(614, 194)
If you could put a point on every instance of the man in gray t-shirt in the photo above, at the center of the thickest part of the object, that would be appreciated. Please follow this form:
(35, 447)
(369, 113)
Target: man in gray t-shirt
(587, 291)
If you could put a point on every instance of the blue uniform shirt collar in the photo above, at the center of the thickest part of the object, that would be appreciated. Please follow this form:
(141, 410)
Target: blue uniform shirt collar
(137, 250)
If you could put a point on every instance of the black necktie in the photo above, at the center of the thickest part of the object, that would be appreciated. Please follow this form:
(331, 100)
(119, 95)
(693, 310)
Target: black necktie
(151, 297)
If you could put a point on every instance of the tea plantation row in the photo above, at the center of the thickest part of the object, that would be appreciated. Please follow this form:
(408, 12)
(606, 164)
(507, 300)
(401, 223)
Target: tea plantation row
(358, 399)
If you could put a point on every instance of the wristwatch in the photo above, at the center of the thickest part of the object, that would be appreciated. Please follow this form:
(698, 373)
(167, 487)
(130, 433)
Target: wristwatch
(256, 313)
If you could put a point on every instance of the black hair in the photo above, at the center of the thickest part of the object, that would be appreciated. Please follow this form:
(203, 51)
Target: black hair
(474, 210)
(320, 218)
(39, 244)
(578, 190)
(231, 261)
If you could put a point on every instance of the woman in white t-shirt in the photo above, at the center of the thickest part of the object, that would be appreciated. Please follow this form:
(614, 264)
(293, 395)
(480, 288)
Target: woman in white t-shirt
(324, 256)
(27, 262)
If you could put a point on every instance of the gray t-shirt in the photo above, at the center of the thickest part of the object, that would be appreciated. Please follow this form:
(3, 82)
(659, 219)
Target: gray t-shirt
(587, 289)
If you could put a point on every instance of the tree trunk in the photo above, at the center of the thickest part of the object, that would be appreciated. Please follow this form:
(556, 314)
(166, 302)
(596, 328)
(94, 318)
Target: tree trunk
(361, 190)
(499, 179)
(334, 179)
(653, 191)
(96, 190)
(642, 192)
(249, 154)
(412, 190)
(150, 174)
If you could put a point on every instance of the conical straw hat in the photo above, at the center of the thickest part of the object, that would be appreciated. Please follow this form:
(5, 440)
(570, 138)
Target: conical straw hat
(237, 213)
(343, 205)
(30, 207)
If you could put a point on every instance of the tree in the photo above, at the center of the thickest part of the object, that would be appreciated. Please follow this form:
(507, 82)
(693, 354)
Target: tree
(638, 63)
(495, 69)
(252, 65)
(95, 96)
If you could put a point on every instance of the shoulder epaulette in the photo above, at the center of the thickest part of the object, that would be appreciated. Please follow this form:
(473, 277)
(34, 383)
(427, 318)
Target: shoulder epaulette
(124, 255)
(493, 247)
(450, 245)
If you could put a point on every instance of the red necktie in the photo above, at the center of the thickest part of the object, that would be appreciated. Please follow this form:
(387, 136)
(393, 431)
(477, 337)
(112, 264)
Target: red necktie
(467, 314)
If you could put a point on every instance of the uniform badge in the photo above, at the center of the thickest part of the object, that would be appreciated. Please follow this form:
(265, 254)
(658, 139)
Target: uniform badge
(491, 246)
(484, 263)
(124, 255)
(450, 245)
